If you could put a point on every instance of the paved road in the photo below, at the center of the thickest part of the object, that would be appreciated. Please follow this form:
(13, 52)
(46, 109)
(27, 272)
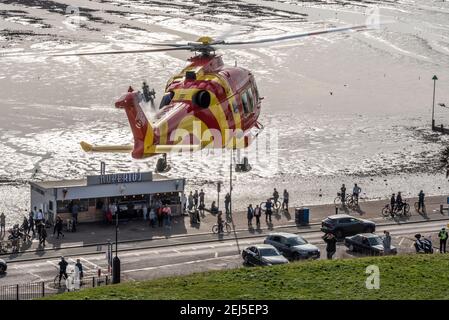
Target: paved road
(155, 262)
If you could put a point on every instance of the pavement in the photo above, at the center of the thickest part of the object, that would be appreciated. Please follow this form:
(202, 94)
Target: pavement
(93, 237)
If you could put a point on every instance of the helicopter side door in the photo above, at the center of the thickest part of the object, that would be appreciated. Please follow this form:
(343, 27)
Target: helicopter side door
(248, 101)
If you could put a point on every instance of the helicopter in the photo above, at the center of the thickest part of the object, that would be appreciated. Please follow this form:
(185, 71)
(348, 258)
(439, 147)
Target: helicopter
(205, 105)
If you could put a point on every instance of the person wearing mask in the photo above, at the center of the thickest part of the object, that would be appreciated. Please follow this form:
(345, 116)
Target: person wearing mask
(250, 215)
(331, 245)
(443, 235)
(285, 201)
(355, 193)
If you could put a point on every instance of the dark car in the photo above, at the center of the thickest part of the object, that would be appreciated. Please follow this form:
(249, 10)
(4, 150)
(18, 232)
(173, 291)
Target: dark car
(262, 255)
(342, 225)
(293, 246)
(368, 243)
(3, 266)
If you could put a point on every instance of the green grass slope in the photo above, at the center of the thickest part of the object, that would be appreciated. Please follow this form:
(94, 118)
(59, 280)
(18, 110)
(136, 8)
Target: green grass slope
(401, 277)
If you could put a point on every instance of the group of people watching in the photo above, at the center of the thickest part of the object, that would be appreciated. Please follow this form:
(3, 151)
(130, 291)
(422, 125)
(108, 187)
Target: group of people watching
(356, 191)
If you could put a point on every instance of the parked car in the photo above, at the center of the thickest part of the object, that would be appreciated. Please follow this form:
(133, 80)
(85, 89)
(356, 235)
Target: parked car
(368, 243)
(262, 255)
(293, 246)
(3, 266)
(342, 225)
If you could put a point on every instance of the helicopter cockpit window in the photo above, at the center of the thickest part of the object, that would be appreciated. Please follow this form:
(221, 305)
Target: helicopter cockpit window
(250, 99)
(245, 102)
(166, 99)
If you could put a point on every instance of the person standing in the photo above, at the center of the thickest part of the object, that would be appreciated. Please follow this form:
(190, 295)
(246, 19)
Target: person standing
(145, 211)
(183, 202)
(257, 214)
(331, 245)
(195, 199)
(25, 226)
(80, 268)
(386, 241)
(392, 204)
(75, 210)
(355, 193)
(268, 210)
(31, 223)
(443, 235)
(40, 218)
(160, 217)
(2, 223)
(421, 201)
(43, 235)
(275, 195)
(227, 201)
(152, 218)
(250, 215)
(201, 195)
(343, 194)
(58, 227)
(62, 269)
(167, 216)
(285, 201)
(190, 201)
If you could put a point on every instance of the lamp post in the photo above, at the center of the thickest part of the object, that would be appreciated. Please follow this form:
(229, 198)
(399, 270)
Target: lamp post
(435, 78)
(116, 260)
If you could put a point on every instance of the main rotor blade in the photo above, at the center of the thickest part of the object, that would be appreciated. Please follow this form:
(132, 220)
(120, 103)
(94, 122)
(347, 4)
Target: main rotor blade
(78, 54)
(293, 36)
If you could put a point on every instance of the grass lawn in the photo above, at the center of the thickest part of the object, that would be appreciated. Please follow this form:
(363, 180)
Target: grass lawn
(401, 277)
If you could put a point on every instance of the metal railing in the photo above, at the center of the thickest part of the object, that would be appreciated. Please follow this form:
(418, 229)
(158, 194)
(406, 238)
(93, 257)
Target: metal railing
(35, 290)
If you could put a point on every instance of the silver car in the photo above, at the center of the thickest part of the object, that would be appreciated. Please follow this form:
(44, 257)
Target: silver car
(293, 246)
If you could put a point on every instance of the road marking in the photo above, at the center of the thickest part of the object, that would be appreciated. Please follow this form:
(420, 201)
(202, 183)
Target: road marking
(52, 263)
(91, 263)
(400, 242)
(176, 251)
(411, 246)
(216, 254)
(170, 265)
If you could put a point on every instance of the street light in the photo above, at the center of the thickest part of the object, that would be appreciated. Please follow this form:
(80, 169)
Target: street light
(116, 260)
(435, 78)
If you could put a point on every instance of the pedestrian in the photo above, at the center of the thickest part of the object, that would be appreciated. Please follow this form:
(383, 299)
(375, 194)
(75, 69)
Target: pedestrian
(31, 223)
(392, 204)
(2, 223)
(331, 245)
(227, 202)
(343, 194)
(183, 202)
(43, 236)
(386, 241)
(213, 208)
(201, 196)
(62, 269)
(40, 218)
(79, 267)
(190, 201)
(58, 227)
(152, 218)
(168, 217)
(421, 201)
(145, 211)
(25, 226)
(399, 203)
(275, 195)
(250, 215)
(257, 214)
(285, 201)
(75, 210)
(195, 199)
(355, 193)
(34, 211)
(268, 210)
(160, 217)
(443, 235)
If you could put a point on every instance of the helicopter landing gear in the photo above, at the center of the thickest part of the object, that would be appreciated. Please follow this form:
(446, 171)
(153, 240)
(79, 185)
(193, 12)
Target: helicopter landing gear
(162, 164)
(243, 166)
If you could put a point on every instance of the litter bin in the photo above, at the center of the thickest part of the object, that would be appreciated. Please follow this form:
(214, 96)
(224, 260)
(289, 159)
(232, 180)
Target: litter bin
(302, 216)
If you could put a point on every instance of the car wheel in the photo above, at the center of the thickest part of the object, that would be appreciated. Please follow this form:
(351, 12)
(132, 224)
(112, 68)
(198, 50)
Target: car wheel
(296, 256)
(339, 234)
(351, 248)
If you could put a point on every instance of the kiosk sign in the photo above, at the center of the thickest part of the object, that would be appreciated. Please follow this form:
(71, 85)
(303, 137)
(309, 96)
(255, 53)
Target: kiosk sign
(116, 178)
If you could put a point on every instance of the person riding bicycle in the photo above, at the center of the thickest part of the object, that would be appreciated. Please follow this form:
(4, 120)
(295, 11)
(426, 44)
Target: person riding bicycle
(355, 193)
(343, 194)
(399, 202)
(220, 222)
(62, 269)
(275, 195)
(423, 245)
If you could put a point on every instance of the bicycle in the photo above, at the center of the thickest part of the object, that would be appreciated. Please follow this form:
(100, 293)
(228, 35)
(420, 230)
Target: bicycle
(276, 205)
(57, 283)
(349, 201)
(403, 210)
(226, 228)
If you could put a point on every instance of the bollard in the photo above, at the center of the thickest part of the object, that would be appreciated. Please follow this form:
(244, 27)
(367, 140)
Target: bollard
(336, 210)
(441, 208)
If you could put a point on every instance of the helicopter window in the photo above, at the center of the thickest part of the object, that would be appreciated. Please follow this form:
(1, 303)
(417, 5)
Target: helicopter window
(250, 99)
(245, 102)
(235, 106)
(166, 99)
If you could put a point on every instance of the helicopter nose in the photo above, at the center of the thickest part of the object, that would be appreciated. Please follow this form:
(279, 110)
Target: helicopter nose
(124, 101)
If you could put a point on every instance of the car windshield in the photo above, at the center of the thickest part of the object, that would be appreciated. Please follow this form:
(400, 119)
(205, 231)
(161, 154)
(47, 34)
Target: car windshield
(374, 241)
(268, 252)
(296, 241)
(329, 221)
